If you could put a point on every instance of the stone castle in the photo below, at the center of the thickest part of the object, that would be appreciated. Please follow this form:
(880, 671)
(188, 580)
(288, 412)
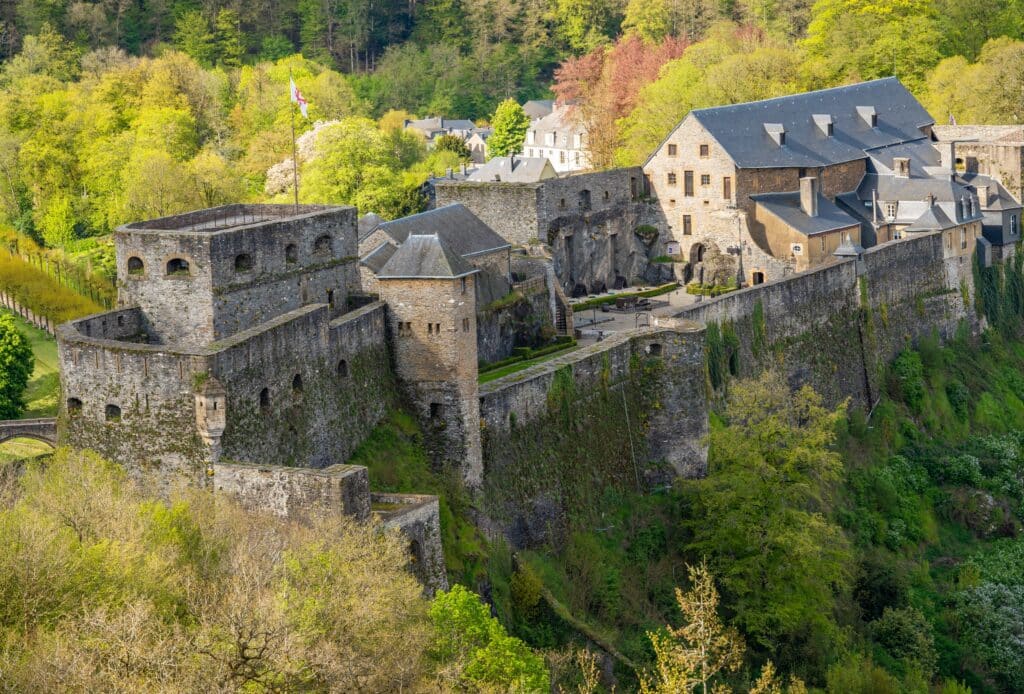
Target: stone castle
(255, 347)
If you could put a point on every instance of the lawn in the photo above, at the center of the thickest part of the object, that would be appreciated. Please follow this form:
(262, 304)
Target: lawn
(520, 365)
(44, 386)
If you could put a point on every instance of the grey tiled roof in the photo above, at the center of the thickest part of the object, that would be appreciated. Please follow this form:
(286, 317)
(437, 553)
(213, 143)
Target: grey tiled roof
(1001, 200)
(461, 230)
(379, 256)
(425, 256)
(514, 170)
(932, 219)
(538, 108)
(367, 223)
(786, 206)
(740, 130)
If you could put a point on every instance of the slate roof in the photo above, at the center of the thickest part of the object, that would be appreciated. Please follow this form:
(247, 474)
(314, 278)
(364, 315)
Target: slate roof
(432, 127)
(425, 256)
(933, 218)
(379, 256)
(461, 230)
(367, 224)
(786, 206)
(1001, 200)
(515, 169)
(740, 130)
(538, 108)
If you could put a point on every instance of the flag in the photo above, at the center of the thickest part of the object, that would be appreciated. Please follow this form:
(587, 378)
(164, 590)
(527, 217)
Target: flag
(297, 98)
(952, 119)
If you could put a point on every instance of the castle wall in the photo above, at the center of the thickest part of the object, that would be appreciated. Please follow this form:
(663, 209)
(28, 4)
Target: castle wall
(629, 412)
(322, 422)
(151, 388)
(835, 327)
(418, 517)
(296, 493)
(525, 322)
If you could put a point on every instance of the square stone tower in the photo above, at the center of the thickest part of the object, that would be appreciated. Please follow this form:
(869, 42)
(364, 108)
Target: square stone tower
(204, 276)
(430, 294)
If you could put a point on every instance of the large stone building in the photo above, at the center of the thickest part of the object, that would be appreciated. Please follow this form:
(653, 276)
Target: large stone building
(778, 185)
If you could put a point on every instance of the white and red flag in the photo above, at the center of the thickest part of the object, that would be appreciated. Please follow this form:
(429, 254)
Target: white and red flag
(297, 98)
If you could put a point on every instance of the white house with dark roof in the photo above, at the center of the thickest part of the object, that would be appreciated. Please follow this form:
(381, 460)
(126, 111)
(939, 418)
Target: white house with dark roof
(560, 138)
(780, 184)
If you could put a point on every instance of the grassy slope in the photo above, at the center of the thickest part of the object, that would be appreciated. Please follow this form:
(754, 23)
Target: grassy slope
(43, 391)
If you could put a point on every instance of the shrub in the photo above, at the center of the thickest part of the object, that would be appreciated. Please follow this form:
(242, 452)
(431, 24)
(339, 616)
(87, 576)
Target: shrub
(907, 635)
(858, 675)
(906, 380)
(959, 399)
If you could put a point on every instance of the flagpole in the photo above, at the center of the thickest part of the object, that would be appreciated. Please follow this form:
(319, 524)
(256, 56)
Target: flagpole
(295, 156)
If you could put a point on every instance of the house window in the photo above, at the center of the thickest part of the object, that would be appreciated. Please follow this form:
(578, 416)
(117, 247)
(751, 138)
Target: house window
(963, 238)
(673, 150)
(135, 266)
(890, 210)
(1013, 225)
(463, 285)
(705, 150)
(727, 188)
(561, 156)
(687, 225)
(529, 152)
(822, 244)
(688, 184)
(705, 179)
(671, 178)
(949, 240)
(577, 158)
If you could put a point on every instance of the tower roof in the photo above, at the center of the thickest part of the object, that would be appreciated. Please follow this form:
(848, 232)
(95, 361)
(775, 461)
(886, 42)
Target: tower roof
(425, 256)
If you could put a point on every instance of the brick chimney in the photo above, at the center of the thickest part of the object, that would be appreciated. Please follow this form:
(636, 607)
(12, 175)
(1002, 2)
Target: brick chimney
(809, 196)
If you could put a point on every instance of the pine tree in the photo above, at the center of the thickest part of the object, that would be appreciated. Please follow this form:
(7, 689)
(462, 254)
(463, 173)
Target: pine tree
(193, 36)
(510, 125)
(229, 38)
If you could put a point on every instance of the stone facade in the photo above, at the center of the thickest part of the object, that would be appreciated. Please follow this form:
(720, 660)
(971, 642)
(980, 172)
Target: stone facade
(432, 327)
(994, 150)
(296, 492)
(418, 517)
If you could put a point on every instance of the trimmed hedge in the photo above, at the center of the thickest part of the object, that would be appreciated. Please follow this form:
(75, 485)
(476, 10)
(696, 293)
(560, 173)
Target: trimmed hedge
(601, 300)
(520, 354)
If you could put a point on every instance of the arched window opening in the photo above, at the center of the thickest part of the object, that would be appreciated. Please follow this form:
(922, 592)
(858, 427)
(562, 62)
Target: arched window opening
(177, 267)
(297, 385)
(74, 407)
(343, 368)
(322, 245)
(265, 399)
(291, 253)
(654, 350)
(415, 552)
(113, 413)
(136, 266)
(243, 262)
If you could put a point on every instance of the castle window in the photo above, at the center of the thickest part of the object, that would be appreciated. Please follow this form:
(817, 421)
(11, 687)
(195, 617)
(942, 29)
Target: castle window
(963, 238)
(671, 178)
(120, 321)
(465, 325)
(113, 413)
(322, 245)
(177, 267)
(561, 203)
(463, 285)
(705, 150)
(264, 399)
(688, 184)
(890, 210)
(136, 266)
(607, 196)
(343, 368)
(673, 150)
(822, 244)
(430, 328)
(297, 385)
(74, 407)
(687, 225)
(291, 253)
(330, 298)
(243, 262)
(654, 350)
(436, 410)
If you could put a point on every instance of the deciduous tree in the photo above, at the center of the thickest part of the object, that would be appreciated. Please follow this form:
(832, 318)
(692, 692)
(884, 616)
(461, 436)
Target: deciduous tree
(510, 124)
(16, 364)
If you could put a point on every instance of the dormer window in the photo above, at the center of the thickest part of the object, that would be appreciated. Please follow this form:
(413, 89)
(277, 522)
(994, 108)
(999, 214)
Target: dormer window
(890, 210)
(777, 132)
(868, 115)
(824, 123)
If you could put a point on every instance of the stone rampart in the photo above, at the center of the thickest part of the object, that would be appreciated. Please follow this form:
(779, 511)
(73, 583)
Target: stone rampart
(298, 493)
(418, 517)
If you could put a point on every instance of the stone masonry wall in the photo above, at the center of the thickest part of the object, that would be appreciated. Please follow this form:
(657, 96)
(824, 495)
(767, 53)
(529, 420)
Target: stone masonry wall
(418, 517)
(630, 412)
(510, 209)
(296, 492)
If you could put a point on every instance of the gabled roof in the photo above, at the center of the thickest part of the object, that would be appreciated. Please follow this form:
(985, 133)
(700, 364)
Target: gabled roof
(1000, 198)
(740, 128)
(461, 230)
(515, 169)
(425, 256)
(367, 223)
(379, 256)
(933, 219)
(786, 206)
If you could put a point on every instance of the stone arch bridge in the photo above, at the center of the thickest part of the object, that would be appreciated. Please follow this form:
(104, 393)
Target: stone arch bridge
(44, 430)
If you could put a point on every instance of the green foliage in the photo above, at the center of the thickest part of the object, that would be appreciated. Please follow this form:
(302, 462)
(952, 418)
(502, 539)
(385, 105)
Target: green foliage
(454, 144)
(906, 380)
(467, 637)
(510, 124)
(40, 293)
(990, 620)
(857, 675)
(722, 347)
(16, 364)
(761, 514)
(906, 634)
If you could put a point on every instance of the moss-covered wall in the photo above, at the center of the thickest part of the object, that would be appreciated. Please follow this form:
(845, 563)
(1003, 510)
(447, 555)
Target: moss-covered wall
(629, 412)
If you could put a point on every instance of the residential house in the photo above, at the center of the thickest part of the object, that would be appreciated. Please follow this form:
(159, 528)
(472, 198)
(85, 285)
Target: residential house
(561, 138)
(513, 169)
